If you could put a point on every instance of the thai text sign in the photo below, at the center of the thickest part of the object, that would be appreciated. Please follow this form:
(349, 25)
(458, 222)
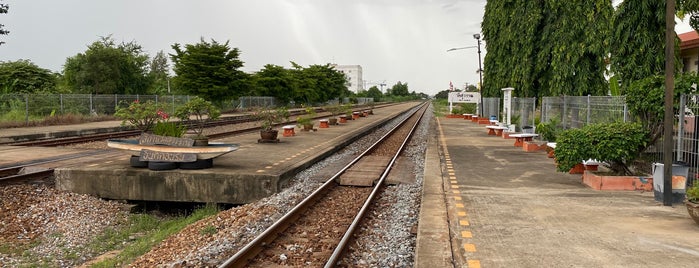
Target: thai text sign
(150, 139)
(465, 97)
(148, 155)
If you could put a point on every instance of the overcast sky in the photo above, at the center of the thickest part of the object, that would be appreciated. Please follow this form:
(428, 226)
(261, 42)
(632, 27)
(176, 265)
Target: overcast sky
(393, 40)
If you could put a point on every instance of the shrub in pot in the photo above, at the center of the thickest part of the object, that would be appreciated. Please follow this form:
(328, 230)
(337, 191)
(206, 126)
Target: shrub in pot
(614, 145)
(692, 202)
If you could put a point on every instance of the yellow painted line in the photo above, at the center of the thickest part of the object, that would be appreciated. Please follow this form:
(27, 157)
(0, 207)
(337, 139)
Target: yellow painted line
(288, 158)
(460, 205)
(268, 167)
(456, 192)
(275, 164)
(260, 170)
(451, 173)
(463, 223)
(455, 187)
(470, 247)
(461, 213)
(108, 162)
(473, 264)
(452, 177)
(454, 182)
(93, 165)
(466, 234)
(458, 198)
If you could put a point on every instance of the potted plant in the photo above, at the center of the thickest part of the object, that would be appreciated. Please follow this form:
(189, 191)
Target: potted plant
(334, 110)
(269, 118)
(692, 202)
(305, 120)
(196, 112)
(141, 115)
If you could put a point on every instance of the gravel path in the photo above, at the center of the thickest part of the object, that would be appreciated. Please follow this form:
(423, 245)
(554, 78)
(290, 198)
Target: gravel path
(65, 222)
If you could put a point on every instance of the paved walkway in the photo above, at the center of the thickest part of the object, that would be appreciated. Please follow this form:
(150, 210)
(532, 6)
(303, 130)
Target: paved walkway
(510, 208)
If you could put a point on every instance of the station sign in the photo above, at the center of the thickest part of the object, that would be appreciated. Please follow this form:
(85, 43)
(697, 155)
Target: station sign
(464, 97)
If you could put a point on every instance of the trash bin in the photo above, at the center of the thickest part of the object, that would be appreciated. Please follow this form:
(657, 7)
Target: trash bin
(493, 117)
(528, 129)
(680, 171)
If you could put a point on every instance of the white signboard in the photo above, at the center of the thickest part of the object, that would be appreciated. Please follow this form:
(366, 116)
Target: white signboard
(464, 97)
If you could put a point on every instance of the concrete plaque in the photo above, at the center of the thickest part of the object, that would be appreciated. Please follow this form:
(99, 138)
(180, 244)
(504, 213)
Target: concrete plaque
(148, 155)
(150, 139)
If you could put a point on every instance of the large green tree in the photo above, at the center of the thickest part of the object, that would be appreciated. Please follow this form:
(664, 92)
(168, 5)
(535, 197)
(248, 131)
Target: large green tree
(159, 74)
(210, 70)
(3, 10)
(638, 41)
(108, 68)
(546, 47)
(400, 89)
(23, 76)
(274, 80)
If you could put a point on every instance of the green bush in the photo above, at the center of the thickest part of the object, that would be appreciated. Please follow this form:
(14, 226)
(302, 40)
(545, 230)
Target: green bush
(170, 129)
(548, 131)
(616, 145)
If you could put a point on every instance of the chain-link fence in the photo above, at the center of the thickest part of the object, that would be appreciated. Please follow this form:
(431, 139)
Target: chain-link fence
(524, 113)
(578, 111)
(491, 107)
(27, 106)
(249, 102)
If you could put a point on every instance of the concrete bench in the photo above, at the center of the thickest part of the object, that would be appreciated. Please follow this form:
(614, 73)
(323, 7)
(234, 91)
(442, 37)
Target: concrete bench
(521, 138)
(495, 130)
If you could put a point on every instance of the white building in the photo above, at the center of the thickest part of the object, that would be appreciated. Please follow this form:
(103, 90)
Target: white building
(354, 76)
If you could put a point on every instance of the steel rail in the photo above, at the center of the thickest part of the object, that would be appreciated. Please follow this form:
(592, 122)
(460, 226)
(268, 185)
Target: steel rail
(342, 246)
(250, 250)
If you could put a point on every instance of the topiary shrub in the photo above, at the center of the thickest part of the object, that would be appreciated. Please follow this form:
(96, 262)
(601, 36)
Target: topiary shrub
(615, 145)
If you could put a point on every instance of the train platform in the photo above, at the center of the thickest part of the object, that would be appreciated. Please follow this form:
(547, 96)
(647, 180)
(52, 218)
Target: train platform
(487, 203)
(254, 171)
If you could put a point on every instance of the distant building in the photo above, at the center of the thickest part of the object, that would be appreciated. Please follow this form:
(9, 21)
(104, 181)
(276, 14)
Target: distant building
(354, 76)
(689, 51)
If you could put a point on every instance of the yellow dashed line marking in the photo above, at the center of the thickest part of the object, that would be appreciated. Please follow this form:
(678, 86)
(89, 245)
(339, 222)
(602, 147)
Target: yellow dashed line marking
(455, 191)
(275, 164)
(452, 177)
(452, 174)
(455, 187)
(461, 213)
(260, 170)
(93, 165)
(474, 264)
(108, 162)
(454, 182)
(288, 158)
(457, 198)
(463, 223)
(268, 167)
(466, 234)
(459, 205)
(470, 247)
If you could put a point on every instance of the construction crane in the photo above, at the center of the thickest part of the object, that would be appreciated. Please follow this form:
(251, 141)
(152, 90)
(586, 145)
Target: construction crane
(381, 84)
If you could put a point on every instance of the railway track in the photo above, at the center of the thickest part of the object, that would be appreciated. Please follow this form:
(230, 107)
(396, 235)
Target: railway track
(39, 170)
(318, 230)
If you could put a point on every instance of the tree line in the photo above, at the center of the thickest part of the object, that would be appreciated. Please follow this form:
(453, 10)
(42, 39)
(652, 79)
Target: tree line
(552, 48)
(209, 69)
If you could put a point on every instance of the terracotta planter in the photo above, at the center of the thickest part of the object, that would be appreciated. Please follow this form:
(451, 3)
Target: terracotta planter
(269, 135)
(591, 167)
(343, 119)
(577, 169)
(693, 210)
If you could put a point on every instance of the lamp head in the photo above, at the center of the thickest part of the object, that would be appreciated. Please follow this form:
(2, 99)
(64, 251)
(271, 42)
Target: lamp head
(477, 36)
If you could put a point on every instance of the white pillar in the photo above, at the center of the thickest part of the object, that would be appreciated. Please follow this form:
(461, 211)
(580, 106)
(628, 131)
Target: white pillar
(507, 104)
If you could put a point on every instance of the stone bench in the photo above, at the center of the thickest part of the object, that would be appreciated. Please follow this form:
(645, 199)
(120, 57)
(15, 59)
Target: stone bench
(495, 130)
(522, 137)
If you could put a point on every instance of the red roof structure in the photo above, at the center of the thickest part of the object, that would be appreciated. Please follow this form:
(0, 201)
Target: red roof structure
(689, 40)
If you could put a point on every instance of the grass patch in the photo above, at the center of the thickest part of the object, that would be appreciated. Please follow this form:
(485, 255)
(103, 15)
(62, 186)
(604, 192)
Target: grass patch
(441, 107)
(144, 232)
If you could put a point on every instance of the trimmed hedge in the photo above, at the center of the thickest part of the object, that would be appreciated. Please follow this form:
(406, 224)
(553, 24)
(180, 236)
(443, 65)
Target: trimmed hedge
(614, 144)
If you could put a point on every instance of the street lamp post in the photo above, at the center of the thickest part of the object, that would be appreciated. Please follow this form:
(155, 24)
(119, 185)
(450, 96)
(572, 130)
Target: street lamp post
(480, 71)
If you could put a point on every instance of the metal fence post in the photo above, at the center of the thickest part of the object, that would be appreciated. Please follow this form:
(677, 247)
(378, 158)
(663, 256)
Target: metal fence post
(116, 102)
(588, 109)
(91, 108)
(563, 114)
(61, 97)
(680, 126)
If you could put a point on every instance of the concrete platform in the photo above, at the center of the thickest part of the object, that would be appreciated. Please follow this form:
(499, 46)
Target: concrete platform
(254, 171)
